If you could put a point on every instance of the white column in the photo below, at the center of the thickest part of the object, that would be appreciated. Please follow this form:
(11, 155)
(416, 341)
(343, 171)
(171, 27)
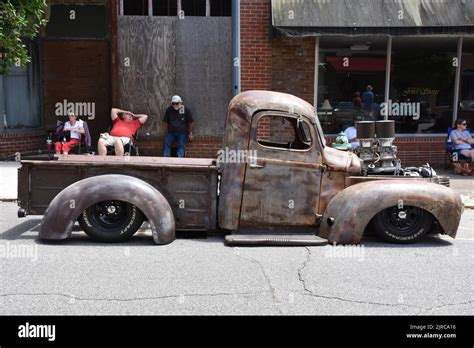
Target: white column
(120, 7)
(457, 81)
(150, 8)
(179, 7)
(2, 106)
(316, 72)
(208, 8)
(388, 66)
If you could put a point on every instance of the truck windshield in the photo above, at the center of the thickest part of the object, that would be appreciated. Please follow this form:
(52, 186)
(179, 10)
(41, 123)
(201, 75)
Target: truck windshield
(319, 130)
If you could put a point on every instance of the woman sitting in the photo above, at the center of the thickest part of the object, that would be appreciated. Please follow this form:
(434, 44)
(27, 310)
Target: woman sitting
(462, 140)
(76, 129)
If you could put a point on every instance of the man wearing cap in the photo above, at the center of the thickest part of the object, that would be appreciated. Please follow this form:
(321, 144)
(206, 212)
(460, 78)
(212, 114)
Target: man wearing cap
(179, 125)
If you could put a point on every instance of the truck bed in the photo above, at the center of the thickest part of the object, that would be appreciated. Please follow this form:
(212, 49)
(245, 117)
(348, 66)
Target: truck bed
(189, 184)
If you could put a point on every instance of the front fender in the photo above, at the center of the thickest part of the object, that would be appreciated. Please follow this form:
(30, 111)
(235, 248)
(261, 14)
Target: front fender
(349, 212)
(66, 207)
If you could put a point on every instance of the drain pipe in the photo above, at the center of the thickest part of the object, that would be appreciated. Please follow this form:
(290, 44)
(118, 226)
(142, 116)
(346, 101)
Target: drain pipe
(235, 47)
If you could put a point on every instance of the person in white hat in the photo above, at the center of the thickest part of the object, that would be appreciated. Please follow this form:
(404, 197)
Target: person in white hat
(179, 126)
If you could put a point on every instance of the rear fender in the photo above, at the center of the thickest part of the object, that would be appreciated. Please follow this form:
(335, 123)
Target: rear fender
(350, 211)
(67, 206)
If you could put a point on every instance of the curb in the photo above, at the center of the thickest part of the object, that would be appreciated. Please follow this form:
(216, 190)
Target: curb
(468, 201)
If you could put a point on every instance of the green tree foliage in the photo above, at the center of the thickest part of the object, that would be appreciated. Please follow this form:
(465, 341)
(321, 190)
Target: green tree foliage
(19, 20)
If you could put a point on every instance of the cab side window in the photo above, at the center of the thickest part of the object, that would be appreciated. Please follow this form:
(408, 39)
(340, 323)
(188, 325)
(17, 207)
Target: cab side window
(282, 132)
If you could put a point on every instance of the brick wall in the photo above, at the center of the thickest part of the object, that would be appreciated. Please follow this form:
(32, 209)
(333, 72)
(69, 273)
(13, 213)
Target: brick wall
(419, 150)
(10, 143)
(200, 147)
(416, 151)
(293, 66)
(255, 45)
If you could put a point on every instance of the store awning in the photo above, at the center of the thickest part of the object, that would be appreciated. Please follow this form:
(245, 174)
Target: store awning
(372, 13)
(356, 64)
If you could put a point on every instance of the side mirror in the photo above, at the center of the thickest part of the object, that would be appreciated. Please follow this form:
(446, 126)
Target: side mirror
(302, 130)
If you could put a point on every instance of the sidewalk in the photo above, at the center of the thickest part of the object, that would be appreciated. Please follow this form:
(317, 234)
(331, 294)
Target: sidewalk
(8, 180)
(462, 184)
(9, 170)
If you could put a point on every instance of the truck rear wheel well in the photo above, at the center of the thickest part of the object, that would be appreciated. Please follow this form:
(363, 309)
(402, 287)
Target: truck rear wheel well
(71, 202)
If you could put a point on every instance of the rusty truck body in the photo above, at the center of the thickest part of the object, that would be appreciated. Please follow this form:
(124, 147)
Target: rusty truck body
(300, 185)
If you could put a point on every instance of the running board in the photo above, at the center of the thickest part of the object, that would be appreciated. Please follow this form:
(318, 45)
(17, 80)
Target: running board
(275, 239)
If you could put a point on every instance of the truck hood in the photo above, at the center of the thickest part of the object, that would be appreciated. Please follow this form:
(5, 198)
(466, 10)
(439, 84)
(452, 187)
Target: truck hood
(341, 161)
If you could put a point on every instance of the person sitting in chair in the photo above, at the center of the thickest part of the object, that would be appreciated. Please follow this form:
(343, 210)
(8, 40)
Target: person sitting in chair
(75, 128)
(462, 140)
(124, 126)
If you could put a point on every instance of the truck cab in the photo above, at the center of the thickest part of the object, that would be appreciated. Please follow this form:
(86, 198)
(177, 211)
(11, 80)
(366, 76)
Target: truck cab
(292, 178)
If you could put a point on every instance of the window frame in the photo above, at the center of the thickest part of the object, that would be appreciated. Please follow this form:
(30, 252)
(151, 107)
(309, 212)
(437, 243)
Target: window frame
(271, 113)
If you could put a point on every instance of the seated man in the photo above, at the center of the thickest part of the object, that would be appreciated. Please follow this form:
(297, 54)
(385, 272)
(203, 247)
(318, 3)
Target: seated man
(351, 134)
(124, 125)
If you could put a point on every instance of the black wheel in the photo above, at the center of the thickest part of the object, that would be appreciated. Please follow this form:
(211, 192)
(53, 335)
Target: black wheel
(111, 221)
(402, 225)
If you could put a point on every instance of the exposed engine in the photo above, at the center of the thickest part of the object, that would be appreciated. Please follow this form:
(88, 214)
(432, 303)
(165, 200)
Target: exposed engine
(378, 154)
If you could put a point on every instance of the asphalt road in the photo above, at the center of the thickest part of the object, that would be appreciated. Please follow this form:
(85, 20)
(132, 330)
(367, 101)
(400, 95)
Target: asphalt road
(202, 276)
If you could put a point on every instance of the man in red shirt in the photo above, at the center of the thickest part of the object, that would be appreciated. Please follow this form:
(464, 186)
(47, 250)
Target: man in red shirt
(124, 125)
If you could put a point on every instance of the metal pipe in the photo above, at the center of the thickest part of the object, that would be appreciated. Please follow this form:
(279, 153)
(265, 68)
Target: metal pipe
(179, 9)
(120, 7)
(388, 65)
(457, 81)
(208, 8)
(316, 73)
(150, 8)
(236, 47)
(2, 107)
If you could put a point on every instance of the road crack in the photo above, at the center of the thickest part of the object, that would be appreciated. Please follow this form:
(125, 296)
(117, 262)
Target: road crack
(300, 270)
(444, 305)
(267, 278)
(78, 298)
(309, 291)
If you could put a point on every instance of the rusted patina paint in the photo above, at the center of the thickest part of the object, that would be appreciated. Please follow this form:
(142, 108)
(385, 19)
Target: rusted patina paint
(66, 207)
(239, 127)
(354, 207)
(191, 190)
(261, 196)
(332, 183)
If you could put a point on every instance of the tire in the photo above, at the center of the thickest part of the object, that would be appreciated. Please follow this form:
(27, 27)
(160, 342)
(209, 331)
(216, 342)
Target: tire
(403, 226)
(111, 221)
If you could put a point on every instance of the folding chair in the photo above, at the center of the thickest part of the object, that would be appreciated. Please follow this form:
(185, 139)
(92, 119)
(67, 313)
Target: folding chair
(130, 149)
(84, 144)
(452, 154)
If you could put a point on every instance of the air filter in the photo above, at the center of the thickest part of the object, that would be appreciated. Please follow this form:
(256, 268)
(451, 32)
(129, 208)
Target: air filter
(365, 129)
(385, 129)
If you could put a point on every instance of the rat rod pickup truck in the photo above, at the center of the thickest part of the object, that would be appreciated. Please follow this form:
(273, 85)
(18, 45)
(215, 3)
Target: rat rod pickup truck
(275, 180)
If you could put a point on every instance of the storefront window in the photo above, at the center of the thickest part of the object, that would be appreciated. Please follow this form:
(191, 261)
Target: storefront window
(422, 84)
(466, 92)
(351, 82)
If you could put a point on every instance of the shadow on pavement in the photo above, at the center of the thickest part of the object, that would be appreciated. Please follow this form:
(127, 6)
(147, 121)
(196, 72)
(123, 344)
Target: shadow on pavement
(143, 237)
